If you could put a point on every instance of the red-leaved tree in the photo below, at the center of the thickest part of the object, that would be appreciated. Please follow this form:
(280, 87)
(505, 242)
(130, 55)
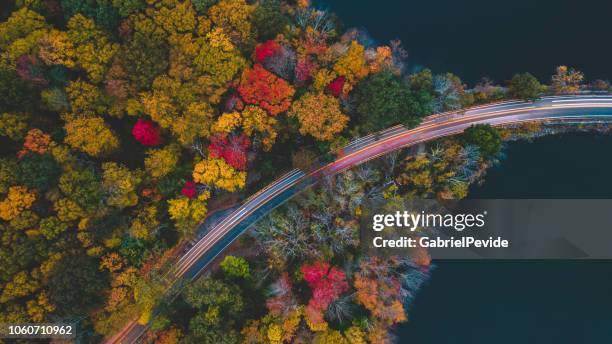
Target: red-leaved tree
(327, 284)
(189, 190)
(265, 50)
(232, 148)
(147, 133)
(335, 87)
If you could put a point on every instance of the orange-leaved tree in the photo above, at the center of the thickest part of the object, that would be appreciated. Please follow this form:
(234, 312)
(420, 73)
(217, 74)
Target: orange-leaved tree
(260, 87)
(378, 291)
(319, 115)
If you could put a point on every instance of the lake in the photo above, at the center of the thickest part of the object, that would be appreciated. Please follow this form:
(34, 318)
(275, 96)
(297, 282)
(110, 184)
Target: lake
(552, 302)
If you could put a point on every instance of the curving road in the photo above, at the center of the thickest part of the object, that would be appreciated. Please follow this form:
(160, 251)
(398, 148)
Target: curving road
(212, 243)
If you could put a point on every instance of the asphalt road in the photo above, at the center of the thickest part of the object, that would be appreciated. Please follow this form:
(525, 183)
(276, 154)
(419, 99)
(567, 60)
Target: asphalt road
(220, 236)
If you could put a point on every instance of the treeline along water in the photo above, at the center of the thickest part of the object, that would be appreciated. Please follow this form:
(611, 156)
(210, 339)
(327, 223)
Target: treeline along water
(476, 38)
(510, 302)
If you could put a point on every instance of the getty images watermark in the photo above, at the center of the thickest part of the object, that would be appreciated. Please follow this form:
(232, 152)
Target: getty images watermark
(490, 228)
(412, 222)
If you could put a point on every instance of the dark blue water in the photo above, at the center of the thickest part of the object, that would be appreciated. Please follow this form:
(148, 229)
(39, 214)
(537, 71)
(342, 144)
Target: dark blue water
(476, 38)
(561, 166)
(542, 302)
(509, 302)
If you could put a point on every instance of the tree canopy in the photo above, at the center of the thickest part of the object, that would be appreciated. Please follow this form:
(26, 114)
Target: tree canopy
(484, 136)
(524, 86)
(383, 99)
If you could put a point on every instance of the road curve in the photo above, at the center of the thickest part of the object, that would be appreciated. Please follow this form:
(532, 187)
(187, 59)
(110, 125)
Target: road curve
(220, 236)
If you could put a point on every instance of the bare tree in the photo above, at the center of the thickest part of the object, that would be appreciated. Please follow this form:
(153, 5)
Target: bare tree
(341, 309)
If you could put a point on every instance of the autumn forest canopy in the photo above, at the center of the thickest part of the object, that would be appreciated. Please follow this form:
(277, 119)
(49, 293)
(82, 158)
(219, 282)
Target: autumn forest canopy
(123, 121)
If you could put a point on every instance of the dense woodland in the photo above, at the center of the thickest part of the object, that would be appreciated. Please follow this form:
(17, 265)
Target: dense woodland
(123, 121)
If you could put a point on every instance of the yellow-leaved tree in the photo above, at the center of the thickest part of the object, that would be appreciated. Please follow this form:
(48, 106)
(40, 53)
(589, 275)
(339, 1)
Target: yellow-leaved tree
(275, 334)
(93, 48)
(119, 184)
(39, 309)
(68, 210)
(233, 17)
(355, 335)
(160, 162)
(146, 224)
(173, 105)
(352, 65)
(20, 24)
(86, 100)
(216, 172)
(19, 35)
(91, 135)
(257, 120)
(218, 60)
(18, 199)
(55, 48)
(227, 122)
(188, 213)
(13, 126)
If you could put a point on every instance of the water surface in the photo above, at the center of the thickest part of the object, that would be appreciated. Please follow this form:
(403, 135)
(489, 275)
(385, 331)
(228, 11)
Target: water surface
(476, 38)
